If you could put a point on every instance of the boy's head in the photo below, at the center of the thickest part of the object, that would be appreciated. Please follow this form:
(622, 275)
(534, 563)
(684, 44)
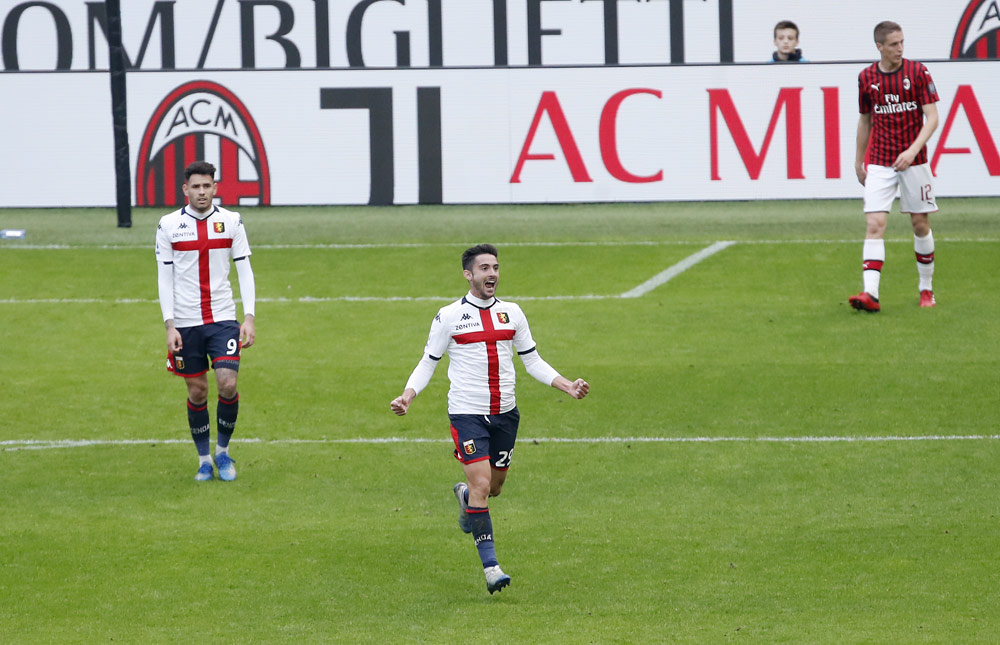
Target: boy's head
(786, 37)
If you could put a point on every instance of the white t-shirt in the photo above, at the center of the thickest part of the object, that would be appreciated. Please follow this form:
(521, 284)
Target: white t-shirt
(480, 337)
(200, 251)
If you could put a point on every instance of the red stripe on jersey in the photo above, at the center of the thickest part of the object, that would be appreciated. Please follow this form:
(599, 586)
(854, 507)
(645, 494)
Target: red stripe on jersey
(203, 246)
(489, 336)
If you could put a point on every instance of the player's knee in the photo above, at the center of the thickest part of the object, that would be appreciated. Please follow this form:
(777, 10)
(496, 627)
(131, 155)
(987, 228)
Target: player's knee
(875, 230)
(226, 380)
(198, 392)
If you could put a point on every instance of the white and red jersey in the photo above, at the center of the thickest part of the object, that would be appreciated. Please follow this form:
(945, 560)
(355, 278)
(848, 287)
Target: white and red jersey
(200, 248)
(480, 338)
(895, 100)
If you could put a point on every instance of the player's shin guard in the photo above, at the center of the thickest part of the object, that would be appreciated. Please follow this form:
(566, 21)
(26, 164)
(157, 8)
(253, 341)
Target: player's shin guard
(199, 424)
(873, 259)
(482, 532)
(226, 414)
(923, 247)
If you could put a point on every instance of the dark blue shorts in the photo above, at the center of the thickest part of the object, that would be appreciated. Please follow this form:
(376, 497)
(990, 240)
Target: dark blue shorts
(218, 342)
(478, 437)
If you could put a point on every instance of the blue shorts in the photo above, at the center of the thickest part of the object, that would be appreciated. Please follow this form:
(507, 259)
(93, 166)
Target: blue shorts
(478, 437)
(219, 342)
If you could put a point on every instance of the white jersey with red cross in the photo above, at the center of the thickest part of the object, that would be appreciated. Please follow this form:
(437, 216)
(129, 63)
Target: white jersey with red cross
(480, 338)
(200, 248)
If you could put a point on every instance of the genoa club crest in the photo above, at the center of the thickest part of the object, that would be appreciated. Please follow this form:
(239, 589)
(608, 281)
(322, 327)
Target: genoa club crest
(469, 447)
(503, 317)
(220, 227)
(978, 30)
(202, 120)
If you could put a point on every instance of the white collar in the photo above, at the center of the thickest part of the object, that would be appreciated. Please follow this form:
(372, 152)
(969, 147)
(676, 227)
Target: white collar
(482, 304)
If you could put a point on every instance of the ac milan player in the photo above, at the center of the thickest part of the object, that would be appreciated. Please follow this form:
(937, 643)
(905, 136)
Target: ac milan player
(897, 100)
(194, 246)
(480, 334)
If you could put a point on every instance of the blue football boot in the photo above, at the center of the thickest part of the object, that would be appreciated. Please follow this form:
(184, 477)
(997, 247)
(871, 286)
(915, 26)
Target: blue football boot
(205, 472)
(226, 466)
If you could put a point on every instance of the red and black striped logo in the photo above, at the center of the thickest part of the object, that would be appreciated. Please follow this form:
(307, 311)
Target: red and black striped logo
(202, 120)
(976, 34)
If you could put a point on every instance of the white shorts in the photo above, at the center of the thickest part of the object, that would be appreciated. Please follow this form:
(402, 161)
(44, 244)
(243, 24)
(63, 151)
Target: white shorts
(916, 191)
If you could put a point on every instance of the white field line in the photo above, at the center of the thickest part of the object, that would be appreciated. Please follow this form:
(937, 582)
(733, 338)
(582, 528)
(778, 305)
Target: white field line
(638, 291)
(658, 280)
(42, 444)
(303, 299)
(667, 274)
(6, 245)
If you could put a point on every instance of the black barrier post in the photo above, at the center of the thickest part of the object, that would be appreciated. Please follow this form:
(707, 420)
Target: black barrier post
(119, 113)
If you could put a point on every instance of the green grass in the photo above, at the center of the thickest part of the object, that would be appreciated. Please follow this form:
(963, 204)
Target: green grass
(759, 535)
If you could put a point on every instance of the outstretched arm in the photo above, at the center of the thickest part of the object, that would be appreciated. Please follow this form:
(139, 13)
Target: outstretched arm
(401, 403)
(576, 389)
(538, 368)
(418, 380)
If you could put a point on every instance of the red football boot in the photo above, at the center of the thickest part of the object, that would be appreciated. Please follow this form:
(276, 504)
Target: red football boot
(927, 298)
(865, 302)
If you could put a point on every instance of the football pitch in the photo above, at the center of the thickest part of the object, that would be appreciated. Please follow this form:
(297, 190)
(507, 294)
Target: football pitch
(756, 460)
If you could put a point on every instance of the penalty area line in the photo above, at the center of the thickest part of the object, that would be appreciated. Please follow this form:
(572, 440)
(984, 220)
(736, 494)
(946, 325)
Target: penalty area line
(43, 444)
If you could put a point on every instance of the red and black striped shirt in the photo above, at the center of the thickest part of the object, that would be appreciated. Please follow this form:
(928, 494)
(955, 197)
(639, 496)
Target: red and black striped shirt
(895, 100)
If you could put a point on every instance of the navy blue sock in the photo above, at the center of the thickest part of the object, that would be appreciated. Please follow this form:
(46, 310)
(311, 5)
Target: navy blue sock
(226, 414)
(482, 533)
(199, 424)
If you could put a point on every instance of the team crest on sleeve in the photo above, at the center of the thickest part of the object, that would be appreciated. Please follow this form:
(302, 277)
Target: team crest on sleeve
(220, 227)
(469, 447)
(503, 317)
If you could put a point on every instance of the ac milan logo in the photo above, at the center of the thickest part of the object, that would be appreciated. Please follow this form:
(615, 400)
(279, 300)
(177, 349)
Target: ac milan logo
(976, 35)
(202, 120)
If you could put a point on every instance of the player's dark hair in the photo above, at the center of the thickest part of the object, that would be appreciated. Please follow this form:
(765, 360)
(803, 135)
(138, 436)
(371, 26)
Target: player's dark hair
(469, 256)
(885, 28)
(199, 168)
(786, 24)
